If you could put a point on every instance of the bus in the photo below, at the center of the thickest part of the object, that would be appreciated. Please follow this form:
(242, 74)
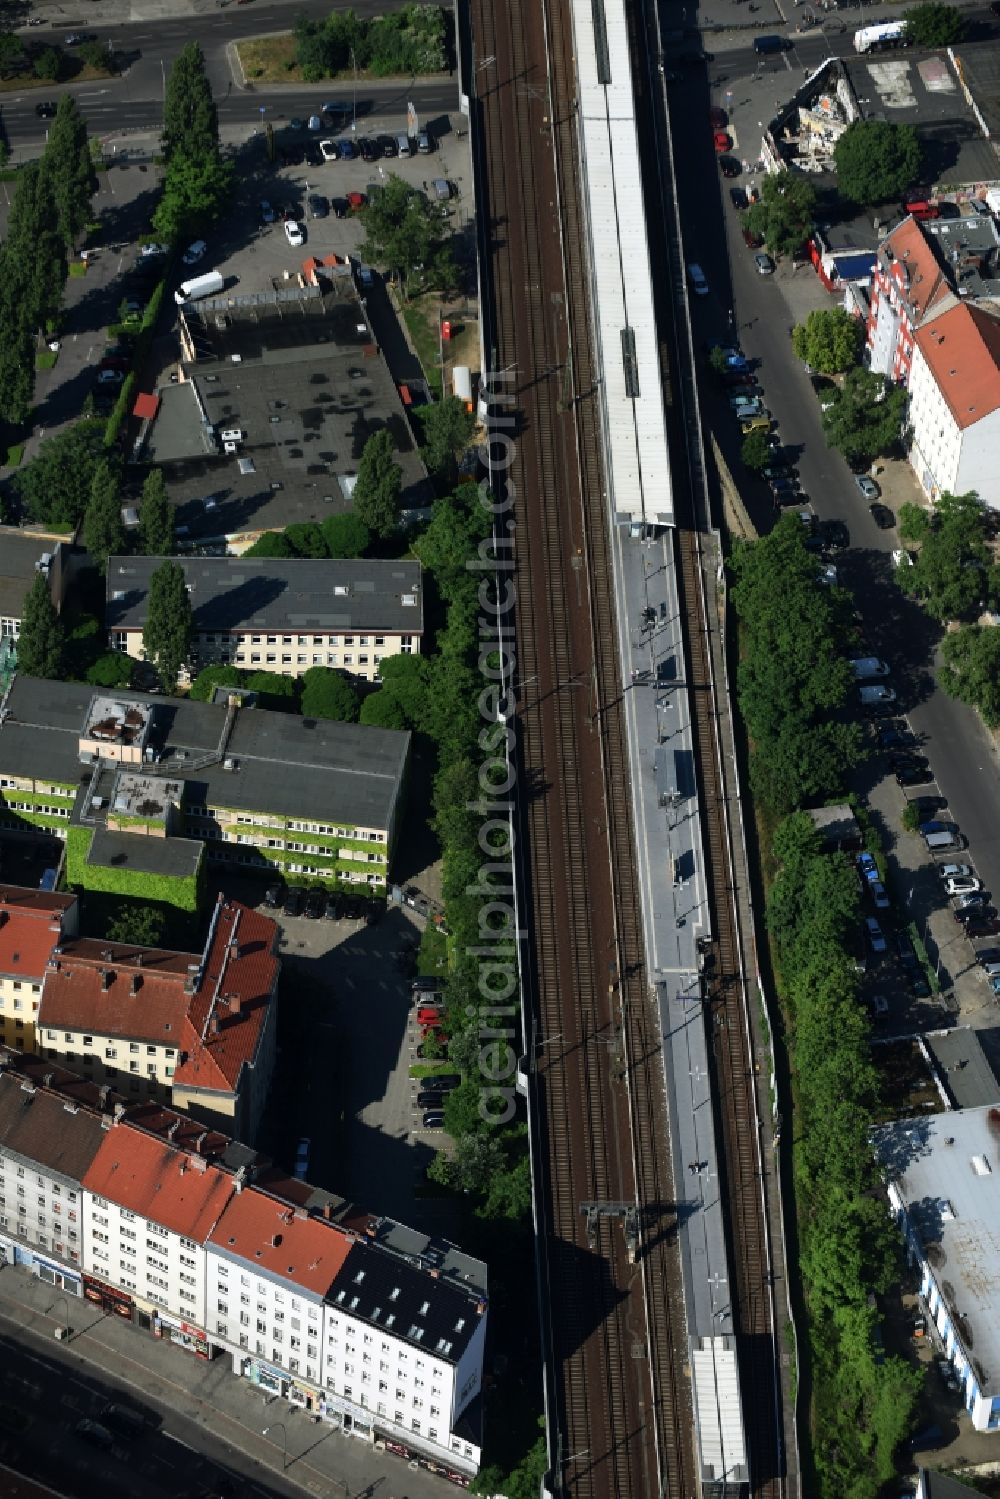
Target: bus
(880, 37)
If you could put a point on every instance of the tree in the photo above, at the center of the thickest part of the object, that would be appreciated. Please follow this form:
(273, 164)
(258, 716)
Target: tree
(40, 643)
(972, 669)
(829, 340)
(274, 691)
(378, 486)
(190, 118)
(876, 161)
(55, 487)
(404, 234)
(138, 926)
(408, 679)
(103, 532)
(67, 171)
(270, 544)
(203, 687)
(306, 539)
(11, 54)
(756, 451)
(196, 190)
(346, 535)
(865, 418)
(166, 637)
(328, 694)
(383, 710)
(447, 426)
(112, 669)
(156, 521)
(783, 216)
(952, 571)
(934, 25)
(48, 64)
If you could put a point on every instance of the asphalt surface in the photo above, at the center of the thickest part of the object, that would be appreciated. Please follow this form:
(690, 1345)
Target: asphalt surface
(757, 308)
(134, 101)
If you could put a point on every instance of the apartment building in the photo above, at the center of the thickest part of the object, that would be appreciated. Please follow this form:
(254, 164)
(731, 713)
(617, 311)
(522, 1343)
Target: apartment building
(21, 559)
(908, 282)
(32, 924)
(144, 787)
(375, 1328)
(954, 413)
(195, 1031)
(265, 614)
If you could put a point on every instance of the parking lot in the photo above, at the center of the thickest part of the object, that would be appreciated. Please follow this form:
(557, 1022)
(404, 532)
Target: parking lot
(349, 1037)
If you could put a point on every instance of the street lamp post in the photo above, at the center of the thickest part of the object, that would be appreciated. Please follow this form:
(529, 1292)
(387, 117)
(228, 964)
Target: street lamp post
(65, 1301)
(284, 1441)
(354, 111)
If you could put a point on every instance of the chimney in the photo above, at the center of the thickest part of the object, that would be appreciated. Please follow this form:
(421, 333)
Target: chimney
(328, 1211)
(138, 960)
(119, 1111)
(215, 1025)
(275, 1240)
(171, 1132)
(480, 1308)
(103, 1094)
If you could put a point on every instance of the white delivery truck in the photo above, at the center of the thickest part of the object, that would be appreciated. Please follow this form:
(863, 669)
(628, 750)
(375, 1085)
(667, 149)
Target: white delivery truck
(207, 285)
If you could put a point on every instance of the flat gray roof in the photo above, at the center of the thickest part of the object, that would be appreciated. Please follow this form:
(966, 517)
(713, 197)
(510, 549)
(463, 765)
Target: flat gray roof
(978, 65)
(964, 1067)
(244, 593)
(297, 371)
(947, 1171)
(292, 766)
(177, 857)
(18, 555)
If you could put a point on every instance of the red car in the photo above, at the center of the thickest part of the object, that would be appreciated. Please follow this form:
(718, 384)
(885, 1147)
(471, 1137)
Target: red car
(723, 141)
(717, 117)
(356, 200)
(428, 1016)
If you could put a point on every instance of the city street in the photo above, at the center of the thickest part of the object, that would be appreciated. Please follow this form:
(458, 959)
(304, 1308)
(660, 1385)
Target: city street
(761, 310)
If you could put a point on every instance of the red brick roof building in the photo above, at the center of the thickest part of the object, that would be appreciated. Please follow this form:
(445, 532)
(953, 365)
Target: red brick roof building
(197, 1032)
(32, 923)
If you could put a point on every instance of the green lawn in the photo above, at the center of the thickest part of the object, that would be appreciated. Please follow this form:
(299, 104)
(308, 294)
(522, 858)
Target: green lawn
(420, 317)
(14, 454)
(78, 268)
(46, 359)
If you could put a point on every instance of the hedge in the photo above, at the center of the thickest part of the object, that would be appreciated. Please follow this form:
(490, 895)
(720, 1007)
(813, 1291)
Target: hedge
(126, 395)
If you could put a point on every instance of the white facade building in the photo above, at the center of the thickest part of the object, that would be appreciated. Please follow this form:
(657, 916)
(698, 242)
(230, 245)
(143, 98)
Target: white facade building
(954, 413)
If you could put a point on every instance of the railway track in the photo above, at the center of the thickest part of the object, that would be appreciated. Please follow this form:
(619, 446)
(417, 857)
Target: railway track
(615, 1328)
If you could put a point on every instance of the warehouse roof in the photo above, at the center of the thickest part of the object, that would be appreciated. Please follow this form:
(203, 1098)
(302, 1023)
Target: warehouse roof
(284, 764)
(246, 593)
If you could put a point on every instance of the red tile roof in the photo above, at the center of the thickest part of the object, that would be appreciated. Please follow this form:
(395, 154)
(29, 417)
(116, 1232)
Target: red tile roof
(30, 926)
(215, 1029)
(179, 1191)
(962, 351)
(262, 1231)
(923, 279)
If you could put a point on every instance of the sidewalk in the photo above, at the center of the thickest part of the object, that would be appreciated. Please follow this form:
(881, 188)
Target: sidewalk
(320, 1460)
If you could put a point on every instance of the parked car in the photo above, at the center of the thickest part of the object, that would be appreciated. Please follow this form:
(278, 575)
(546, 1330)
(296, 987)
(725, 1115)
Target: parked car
(976, 900)
(267, 213)
(975, 917)
(730, 166)
(332, 908)
(293, 900)
(867, 867)
(273, 896)
(313, 154)
(895, 734)
(425, 983)
(429, 1098)
(153, 252)
(329, 150)
(355, 201)
(428, 1015)
(442, 1082)
(46, 110)
(433, 1120)
(339, 206)
(876, 697)
(717, 117)
(912, 772)
(835, 535)
(318, 206)
(369, 150)
(901, 558)
(875, 935)
(294, 234)
(879, 1006)
(125, 1422)
(955, 872)
(194, 252)
(905, 950)
(962, 884)
(882, 516)
(869, 489)
(764, 263)
(722, 140)
(315, 902)
(94, 1433)
(879, 895)
(982, 926)
(935, 825)
(737, 195)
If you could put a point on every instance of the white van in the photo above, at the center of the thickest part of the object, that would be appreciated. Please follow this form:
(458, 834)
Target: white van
(208, 285)
(403, 145)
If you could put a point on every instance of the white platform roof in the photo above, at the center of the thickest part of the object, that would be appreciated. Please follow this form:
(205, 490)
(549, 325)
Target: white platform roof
(635, 436)
(717, 1411)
